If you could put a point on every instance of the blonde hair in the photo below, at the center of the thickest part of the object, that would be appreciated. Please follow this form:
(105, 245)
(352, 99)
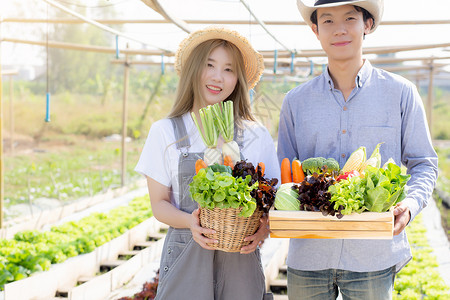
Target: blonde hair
(188, 89)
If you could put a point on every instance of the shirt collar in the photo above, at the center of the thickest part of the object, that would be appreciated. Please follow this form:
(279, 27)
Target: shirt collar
(360, 79)
(328, 79)
(363, 73)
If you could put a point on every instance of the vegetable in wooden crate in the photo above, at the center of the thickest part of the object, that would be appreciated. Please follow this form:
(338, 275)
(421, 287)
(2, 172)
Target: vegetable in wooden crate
(358, 162)
(320, 165)
(286, 174)
(309, 195)
(287, 197)
(297, 172)
(294, 174)
(378, 191)
(314, 196)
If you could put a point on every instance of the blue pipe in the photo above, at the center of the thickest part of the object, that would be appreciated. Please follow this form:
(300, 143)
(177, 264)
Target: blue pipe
(47, 110)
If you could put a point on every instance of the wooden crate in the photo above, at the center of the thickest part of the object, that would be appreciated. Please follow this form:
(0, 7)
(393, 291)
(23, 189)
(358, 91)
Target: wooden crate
(314, 225)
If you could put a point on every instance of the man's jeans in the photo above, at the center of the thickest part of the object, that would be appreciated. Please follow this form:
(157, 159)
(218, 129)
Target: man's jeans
(323, 285)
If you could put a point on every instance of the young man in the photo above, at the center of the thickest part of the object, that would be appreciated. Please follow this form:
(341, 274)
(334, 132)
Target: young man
(353, 104)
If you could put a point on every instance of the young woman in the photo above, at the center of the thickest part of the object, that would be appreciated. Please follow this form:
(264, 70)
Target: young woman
(214, 64)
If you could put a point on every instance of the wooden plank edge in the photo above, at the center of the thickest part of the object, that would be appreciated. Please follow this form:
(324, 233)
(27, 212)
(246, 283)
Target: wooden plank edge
(317, 215)
(318, 234)
(314, 225)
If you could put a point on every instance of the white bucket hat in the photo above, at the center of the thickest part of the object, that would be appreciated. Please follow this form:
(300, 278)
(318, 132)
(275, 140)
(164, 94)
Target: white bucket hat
(374, 7)
(253, 60)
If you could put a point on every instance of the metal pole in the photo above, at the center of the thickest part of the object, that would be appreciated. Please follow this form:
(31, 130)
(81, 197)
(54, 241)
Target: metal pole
(124, 117)
(261, 23)
(418, 80)
(429, 110)
(11, 116)
(101, 26)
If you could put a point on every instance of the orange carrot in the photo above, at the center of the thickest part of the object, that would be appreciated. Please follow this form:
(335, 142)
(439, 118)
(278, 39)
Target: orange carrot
(286, 175)
(262, 166)
(200, 164)
(228, 161)
(297, 172)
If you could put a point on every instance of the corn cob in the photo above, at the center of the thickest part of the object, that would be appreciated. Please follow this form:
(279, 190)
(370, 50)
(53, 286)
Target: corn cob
(370, 162)
(356, 159)
(374, 159)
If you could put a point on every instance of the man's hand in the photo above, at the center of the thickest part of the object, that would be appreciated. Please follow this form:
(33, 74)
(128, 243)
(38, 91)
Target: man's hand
(401, 217)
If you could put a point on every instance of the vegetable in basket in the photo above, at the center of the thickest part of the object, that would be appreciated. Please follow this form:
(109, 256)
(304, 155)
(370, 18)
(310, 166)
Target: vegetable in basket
(209, 134)
(223, 187)
(200, 164)
(261, 167)
(264, 194)
(218, 188)
(224, 118)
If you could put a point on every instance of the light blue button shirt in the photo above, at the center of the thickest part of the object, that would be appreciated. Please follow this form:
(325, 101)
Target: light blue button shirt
(315, 120)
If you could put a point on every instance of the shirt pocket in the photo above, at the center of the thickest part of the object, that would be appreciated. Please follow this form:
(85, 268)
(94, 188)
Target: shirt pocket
(370, 136)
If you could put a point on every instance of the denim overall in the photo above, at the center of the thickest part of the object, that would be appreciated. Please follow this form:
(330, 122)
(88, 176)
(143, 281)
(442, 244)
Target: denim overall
(188, 271)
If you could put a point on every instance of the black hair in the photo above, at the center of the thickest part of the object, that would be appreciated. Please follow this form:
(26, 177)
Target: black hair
(366, 15)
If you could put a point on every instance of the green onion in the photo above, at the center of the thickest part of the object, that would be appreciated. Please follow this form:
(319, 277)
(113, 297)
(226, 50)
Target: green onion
(225, 119)
(210, 133)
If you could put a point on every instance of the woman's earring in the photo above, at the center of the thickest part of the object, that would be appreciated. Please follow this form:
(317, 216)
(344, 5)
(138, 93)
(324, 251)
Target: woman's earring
(364, 36)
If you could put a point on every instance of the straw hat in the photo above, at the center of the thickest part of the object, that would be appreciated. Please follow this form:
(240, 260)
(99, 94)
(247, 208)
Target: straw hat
(374, 7)
(253, 61)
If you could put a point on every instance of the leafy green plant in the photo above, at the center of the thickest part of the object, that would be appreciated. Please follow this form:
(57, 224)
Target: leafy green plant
(33, 250)
(420, 279)
(380, 189)
(220, 189)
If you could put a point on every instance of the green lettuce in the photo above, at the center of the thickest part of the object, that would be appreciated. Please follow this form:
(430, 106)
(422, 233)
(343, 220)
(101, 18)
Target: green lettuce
(388, 187)
(377, 191)
(220, 189)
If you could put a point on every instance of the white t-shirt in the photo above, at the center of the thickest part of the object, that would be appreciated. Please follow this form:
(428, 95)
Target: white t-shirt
(159, 157)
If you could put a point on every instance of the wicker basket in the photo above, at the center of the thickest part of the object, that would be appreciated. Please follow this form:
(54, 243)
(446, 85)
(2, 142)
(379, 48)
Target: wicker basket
(231, 229)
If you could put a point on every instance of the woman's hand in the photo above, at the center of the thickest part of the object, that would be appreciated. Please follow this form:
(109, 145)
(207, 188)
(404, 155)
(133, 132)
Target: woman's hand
(258, 238)
(198, 231)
